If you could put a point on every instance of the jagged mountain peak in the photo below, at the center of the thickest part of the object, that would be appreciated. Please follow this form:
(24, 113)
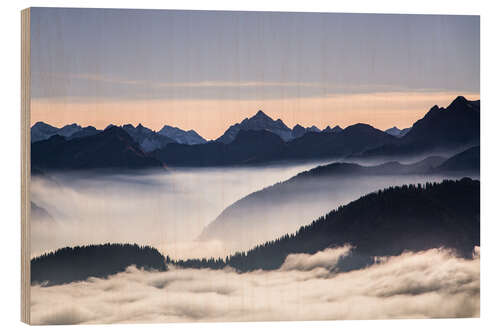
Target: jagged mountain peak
(335, 129)
(261, 113)
(463, 104)
(314, 129)
(260, 116)
(260, 121)
(181, 136)
(459, 100)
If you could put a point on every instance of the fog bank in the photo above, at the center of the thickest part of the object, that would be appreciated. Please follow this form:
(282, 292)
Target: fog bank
(428, 284)
(167, 210)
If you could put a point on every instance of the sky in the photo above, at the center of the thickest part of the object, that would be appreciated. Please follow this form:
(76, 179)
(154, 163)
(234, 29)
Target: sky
(206, 70)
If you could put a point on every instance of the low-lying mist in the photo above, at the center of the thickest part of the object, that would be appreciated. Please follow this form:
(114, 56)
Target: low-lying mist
(428, 284)
(282, 209)
(169, 210)
(164, 209)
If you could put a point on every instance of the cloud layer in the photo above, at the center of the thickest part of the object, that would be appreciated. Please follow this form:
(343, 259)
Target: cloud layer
(166, 209)
(428, 284)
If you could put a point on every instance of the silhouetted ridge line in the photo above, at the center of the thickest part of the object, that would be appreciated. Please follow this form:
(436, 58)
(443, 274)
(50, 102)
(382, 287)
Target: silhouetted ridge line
(441, 130)
(452, 128)
(384, 223)
(111, 148)
(78, 263)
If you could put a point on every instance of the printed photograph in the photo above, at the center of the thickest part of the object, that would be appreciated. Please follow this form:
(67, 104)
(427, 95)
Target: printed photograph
(225, 166)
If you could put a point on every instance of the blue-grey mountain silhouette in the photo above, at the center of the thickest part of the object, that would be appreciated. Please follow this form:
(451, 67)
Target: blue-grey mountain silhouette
(147, 139)
(394, 131)
(83, 132)
(180, 136)
(299, 130)
(112, 148)
(452, 128)
(260, 139)
(335, 129)
(260, 121)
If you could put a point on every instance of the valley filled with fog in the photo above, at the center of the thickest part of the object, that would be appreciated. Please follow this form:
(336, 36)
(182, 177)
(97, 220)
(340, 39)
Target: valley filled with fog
(164, 209)
(169, 210)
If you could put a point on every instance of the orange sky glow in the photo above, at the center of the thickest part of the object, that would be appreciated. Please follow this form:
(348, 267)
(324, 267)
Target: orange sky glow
(210, 118)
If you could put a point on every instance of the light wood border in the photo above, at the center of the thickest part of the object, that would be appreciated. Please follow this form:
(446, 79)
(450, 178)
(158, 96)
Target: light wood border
(25, 165)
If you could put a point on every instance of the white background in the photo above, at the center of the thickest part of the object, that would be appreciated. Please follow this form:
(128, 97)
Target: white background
(490, 254)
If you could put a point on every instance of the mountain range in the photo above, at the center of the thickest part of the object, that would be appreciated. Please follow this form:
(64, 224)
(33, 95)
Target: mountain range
(147, 139)
(180, 136)
(111, 148)
(261, 121)
(260, 139)
(42, 131)
(441, 129)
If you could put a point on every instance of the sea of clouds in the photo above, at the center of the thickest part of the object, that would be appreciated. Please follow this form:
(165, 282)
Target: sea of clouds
(165, 209)
(169, 210)
(428, 284)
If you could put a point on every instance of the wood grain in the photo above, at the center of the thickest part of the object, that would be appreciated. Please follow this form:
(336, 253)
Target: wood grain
(25, 165)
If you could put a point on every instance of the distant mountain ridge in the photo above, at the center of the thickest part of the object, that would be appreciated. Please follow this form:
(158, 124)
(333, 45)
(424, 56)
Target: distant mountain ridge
(394, 131)
(299, 131)
(42, 131)
(335, 129)
(263, 146)
(260, 139)
(261, 121)
(111, 148)
(147, 139)
(180, 136)
(454, 127)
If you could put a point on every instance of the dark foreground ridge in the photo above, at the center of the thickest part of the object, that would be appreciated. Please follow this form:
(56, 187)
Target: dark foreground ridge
(384, 223)
(71, 264)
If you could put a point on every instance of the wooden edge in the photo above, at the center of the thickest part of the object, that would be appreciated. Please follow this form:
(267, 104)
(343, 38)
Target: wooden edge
(25, 165)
